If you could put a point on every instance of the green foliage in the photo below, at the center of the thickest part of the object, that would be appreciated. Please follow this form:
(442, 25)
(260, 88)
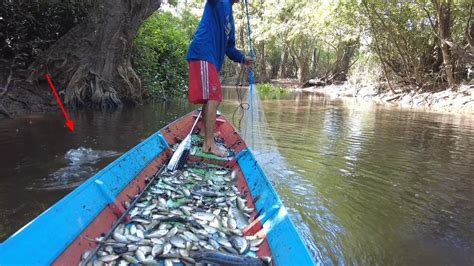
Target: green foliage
(268, 91)
(160, 54)
(29, 27)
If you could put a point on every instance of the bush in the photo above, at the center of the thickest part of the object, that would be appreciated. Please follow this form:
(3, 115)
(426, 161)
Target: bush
(268, 91)
(160, 54)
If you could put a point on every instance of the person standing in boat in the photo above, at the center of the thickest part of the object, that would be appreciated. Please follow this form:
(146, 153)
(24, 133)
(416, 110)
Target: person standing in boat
(214, 38)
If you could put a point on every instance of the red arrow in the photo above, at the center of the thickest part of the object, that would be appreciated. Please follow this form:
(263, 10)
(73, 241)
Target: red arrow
(69, 122)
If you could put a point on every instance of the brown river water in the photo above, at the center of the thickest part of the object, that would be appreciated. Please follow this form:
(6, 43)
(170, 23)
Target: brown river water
(364, 184)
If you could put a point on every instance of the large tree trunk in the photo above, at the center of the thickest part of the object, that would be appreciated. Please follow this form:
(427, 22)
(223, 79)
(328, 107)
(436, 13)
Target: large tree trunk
(91, 63)
(314, 62)
(263, 65)
(303, 69)
(470, 29)
(443, 8)
(344, 54)
(283, 71)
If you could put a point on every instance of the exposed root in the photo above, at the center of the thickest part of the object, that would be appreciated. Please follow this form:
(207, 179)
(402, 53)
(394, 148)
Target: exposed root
(4, 111)
(104, 95)
(89, 89)
(132, 81)
(9, 79)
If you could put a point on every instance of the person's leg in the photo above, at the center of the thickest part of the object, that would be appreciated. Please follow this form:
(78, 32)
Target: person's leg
(209, 144)
(203, 115)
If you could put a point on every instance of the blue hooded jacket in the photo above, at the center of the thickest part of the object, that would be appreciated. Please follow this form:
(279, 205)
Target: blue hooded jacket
(215, 36)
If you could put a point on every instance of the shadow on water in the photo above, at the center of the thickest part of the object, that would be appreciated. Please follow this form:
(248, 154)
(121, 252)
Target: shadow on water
(364, 184)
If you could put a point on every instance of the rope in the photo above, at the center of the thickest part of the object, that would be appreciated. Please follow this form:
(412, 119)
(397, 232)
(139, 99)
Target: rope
(243, 106)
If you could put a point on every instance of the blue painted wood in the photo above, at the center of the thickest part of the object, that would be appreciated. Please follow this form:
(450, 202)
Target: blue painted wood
(286, 244)
(46, 237)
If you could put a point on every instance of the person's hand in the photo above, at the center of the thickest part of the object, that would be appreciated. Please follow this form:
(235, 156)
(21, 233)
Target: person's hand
(249, 61)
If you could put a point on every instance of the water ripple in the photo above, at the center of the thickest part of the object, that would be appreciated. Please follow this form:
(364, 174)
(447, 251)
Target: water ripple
(81, 165)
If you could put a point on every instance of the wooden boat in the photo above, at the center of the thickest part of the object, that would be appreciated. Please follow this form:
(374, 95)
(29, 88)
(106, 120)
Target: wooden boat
(61, 234)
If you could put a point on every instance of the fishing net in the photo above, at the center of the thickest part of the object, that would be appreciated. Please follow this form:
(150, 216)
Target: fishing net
(253, 125)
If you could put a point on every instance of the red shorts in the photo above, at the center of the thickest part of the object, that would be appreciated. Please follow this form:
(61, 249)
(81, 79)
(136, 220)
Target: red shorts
(204, 83)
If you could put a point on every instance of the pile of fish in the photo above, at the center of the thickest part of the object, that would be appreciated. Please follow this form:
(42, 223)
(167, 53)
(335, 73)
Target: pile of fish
(185, 217)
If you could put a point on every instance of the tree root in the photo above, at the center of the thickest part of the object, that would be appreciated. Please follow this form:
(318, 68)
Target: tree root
(3, 110)
(5, 89)
(133, 82)
(25, 104)
(89, 89)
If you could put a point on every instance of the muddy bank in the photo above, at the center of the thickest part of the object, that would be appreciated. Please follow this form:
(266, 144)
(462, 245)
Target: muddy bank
(459, 100)
(22, 98)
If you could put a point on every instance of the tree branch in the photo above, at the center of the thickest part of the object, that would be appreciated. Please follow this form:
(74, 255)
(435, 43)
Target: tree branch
(468, 27)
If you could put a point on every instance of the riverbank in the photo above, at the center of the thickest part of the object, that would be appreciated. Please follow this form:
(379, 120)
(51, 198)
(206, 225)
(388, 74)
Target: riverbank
(459, 100)
(21, 97)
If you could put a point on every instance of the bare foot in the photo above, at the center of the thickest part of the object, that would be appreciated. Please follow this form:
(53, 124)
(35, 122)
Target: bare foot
(214, 149)
(201, 133)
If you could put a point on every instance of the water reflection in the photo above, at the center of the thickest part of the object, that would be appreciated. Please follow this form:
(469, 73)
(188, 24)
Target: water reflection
(373, 184)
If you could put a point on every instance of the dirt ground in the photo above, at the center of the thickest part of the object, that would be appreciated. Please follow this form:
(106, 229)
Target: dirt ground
(457, 100)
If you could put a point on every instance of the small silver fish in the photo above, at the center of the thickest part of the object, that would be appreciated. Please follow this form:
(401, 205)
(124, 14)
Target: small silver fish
(220, 172)
(240, 244)
(140, 255)
(172, 232)
(157, 241)
(132, 248)
(133, 238)
(119, 237)
(130, 259)
(211, 230)
(122, 263)
(224, 242)
(140, 234)
(86, 254)
(231, 223)
(205, 216)
(150, 261)
(186, 192)
(145, 249)
(254, 249)
(191, 236)
(214, 243)
(109, 258)
(133, 229)
(177, 241)
(267, 260)
(240, 203)
(109, 249)
(166, 248)
(158, 233)
(141, 220)
(233, 175)
(157, 250)
(256, 242)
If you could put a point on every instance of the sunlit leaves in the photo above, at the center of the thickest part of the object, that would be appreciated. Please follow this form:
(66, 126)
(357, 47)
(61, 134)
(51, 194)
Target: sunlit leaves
(161, 47)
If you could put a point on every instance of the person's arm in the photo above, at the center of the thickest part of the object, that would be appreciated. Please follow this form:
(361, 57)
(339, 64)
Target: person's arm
(233, 53)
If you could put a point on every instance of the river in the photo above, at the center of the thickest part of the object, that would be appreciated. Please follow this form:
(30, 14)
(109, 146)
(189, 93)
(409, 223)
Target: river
(365, 184)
